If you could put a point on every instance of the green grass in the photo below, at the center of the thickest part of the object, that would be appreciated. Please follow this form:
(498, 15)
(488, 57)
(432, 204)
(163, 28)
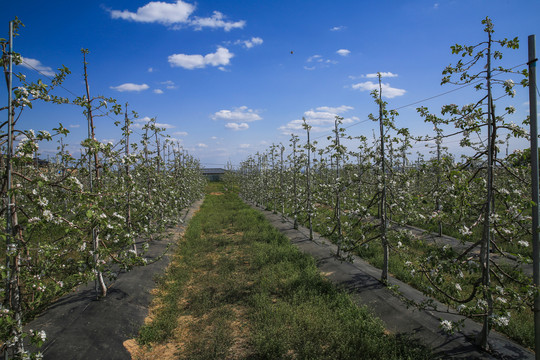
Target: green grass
(250, 294)
(521, 325)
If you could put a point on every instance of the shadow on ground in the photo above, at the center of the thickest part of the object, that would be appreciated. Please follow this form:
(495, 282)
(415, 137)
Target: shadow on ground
(80, 327)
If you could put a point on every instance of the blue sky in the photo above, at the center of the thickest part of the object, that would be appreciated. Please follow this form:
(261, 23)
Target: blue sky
(229, 78)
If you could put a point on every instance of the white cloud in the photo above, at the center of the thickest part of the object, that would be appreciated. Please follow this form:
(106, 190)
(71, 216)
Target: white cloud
(336, 110)
(250, 43)
(337, 28)
(175, 141)
(214, 138)
(158, 91)
(237, 126)
(176, 15)
(221, 57)
(217, 21)
(318, 61)
(158, 11)
(165, 126)
(240, 114)
(130, 87)
(383, 75)
(75, 126)
(387, 91)
(436, 5)
(140, 122)
(245, 146)
(169, 84)
(321, 119)
(180, 133)
(343, 52)
(150, 69)
(37, 65)
(202, 145)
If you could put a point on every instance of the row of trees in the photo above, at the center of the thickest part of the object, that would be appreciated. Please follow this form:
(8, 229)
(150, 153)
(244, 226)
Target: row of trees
(71, 220)
(363, 194)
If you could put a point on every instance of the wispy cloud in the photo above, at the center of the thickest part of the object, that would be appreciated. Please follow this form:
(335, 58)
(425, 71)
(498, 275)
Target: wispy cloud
(217, 21)
(248, 44)
(316, 61)
(240, 114)
(130, 87)
(343, 52)
(321, 119)
(237, 118)
(158, 91)
(337, 28)
(237, 126)
(180, 133)
(140, 122)
(383, 75)
(221, 57)
(37, 65)
(387, 91)
(177, 15)
(169, 84)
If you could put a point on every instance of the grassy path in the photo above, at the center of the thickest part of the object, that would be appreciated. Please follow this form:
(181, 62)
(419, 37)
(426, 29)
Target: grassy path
(237, 289)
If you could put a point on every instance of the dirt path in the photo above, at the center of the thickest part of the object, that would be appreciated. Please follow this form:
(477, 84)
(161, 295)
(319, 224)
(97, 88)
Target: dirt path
(361, 280)
(79, 327)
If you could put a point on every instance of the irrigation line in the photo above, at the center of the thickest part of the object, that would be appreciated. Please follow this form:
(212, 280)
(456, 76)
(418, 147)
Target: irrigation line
(429, 98)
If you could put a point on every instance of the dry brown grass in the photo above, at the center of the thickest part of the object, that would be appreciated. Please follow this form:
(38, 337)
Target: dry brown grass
(191, 329)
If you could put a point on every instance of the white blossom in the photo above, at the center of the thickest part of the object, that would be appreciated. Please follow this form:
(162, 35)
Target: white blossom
(501, 320)
(43, 202)
(465, 231)
(48, 215)
(446, 325)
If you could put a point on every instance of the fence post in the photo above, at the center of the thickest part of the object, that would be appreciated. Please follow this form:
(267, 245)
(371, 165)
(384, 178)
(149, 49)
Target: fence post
(534, 184)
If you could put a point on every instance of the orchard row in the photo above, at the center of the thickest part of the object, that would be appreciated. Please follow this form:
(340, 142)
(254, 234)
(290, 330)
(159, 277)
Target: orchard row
(362, 193)
(72, 220)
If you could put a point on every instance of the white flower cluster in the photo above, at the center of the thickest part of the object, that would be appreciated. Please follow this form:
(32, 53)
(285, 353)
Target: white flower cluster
(501, 320)
(41, 335)
(446, 326)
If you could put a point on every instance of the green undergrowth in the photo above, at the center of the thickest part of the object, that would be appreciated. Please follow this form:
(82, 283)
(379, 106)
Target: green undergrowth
(521, 324)
(238, 289)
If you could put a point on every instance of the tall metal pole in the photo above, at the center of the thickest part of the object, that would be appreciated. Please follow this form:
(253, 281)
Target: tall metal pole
(9, 265)
(386, 252)
(9, 155)
(437, 198)
(534, 183)
(338, 193)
